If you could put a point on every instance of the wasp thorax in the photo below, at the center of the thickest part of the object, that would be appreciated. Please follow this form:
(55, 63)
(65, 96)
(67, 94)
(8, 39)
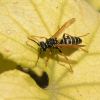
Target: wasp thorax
(43, 46)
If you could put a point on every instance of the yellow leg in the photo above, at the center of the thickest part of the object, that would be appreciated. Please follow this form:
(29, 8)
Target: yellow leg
(48, 56)
(71, 70)
(84, 35)
(36, 50)
(37, 59)
(84, 50)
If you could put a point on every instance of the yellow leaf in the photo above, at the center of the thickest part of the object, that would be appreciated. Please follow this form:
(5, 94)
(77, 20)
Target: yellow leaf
(20, 19)
(95, 3)
(15, 85)
(6, 64)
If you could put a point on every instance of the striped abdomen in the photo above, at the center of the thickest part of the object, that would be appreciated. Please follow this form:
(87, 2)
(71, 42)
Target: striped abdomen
(70, 40)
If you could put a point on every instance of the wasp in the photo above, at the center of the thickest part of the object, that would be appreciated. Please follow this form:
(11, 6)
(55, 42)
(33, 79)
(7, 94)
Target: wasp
(67, 41)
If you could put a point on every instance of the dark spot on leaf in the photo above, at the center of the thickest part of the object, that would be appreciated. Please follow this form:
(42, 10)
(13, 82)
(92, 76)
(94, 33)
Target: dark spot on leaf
(42, 81)
(99, 10)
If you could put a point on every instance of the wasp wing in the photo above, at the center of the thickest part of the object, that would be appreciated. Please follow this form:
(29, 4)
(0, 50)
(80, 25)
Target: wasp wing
(71, 46)
(66, 24)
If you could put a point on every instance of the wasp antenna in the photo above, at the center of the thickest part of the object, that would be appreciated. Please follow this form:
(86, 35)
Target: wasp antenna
(36, 42)
(30, 38)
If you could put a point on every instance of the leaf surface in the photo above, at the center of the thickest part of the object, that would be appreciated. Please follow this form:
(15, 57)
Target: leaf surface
(20, 19)
(95, 3)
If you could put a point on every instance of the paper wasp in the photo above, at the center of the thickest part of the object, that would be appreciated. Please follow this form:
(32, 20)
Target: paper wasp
(67, 41)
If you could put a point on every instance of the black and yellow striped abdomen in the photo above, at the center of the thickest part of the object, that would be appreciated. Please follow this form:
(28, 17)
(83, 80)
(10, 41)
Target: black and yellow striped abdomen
(70, 40)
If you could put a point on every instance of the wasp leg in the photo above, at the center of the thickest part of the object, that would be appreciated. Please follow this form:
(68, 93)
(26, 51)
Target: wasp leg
(36, 50)
(83, 50)
(46, 63)
(61, 63)
(78, 36)
(84, 35)
(38, 57)
(71, 70)
(48, 56)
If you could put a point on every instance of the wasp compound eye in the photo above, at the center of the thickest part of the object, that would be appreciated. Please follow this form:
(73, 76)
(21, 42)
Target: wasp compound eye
(42, 81)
